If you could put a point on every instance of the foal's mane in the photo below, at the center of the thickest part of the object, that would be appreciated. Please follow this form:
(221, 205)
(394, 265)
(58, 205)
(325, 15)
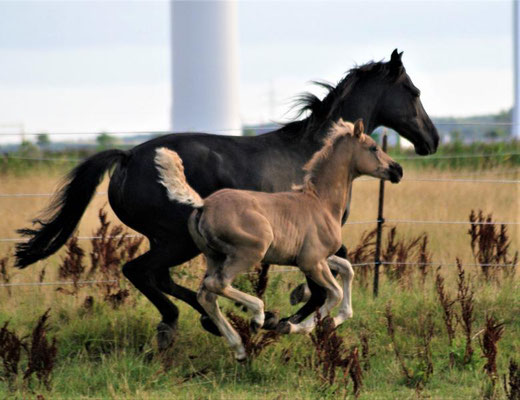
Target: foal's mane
(322, 110)
(338, 130)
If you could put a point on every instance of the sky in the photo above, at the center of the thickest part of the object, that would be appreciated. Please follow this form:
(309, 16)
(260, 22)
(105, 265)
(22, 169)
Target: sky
(91, 66)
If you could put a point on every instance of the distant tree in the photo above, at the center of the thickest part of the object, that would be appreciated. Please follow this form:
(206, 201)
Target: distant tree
(496, 133)
(43, 141)
(504, 116)
(105, 141)
(248, 132)
(28, 149)
(456, 136)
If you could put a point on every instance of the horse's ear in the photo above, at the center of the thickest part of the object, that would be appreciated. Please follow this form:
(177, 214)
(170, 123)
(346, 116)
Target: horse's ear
(396, 65)
(396, 57)
(358, 128)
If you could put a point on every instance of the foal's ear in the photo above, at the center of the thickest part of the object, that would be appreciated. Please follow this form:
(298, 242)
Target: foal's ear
(358, 128)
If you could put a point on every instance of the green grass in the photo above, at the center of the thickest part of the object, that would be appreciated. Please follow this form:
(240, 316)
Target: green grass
(105, 353)
(498, 155)
(456, 155)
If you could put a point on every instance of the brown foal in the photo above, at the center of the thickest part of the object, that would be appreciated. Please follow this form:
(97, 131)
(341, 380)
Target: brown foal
(237, 229)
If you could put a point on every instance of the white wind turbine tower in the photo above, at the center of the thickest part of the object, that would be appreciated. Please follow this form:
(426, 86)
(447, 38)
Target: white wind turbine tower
(205, 67)
(516, 70)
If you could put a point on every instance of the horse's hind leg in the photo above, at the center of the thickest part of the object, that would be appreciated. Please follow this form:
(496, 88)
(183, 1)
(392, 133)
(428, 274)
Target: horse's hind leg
(140, 272)
(347, 276)
(167, 285)
(322, 276)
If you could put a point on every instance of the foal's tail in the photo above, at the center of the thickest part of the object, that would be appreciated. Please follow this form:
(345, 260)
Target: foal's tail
(66, 209)
(171, 173)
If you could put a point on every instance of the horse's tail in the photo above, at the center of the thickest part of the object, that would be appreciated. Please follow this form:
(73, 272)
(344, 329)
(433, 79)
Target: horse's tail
(63, 214)
(171, 173)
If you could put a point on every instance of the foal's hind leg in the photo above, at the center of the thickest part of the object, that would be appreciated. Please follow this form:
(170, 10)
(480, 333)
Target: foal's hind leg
(208, 300)
(322, 276)
(220, 283)
(207, 297)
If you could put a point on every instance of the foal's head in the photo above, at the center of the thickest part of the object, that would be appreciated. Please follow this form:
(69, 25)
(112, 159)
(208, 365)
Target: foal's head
(367, 157)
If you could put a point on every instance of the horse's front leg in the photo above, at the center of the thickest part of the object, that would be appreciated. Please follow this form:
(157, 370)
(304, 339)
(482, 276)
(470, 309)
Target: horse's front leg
(321, 275)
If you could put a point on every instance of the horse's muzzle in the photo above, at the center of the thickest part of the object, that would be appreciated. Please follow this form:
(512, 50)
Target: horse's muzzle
(395, 172)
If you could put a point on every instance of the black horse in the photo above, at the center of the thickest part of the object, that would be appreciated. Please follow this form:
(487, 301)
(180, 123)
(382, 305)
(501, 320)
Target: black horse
(381, 93)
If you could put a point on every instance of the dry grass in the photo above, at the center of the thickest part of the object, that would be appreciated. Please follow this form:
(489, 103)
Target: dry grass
(407, 200)
(17, 212)
(447, 201)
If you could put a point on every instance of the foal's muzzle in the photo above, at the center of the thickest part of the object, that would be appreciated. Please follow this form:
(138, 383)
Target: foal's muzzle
(395, 172)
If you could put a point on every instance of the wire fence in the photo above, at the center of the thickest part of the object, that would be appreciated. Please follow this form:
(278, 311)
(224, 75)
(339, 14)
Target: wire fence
(273, 270)
(406, 158)
(283, 270)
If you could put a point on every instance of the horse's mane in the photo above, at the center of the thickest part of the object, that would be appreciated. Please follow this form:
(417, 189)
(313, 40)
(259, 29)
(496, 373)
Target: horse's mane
(339, 130)
(322, 110)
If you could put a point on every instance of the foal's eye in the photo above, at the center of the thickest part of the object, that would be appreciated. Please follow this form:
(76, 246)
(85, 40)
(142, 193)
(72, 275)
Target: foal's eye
(373, 148)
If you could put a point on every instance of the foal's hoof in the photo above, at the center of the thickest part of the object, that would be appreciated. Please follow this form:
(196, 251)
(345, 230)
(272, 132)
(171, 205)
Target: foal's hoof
(271, 320)
(284, 328)
(165, 335)
(241, 360)
(300, 294)
(209, 326)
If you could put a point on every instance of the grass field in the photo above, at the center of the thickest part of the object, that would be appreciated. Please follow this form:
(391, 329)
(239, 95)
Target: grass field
(107, 353)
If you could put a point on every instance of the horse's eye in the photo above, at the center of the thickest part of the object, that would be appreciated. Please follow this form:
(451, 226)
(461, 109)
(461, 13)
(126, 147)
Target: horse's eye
(373, 148)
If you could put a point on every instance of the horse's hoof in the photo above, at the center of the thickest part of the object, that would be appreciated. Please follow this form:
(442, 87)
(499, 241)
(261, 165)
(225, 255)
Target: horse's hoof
(209, 325)
(300, 294)
(284, 328)
(254, 326)
(271, 320)
(165, 335)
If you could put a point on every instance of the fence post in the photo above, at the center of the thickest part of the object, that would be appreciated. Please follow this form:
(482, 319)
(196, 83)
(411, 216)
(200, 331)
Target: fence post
(380, 222)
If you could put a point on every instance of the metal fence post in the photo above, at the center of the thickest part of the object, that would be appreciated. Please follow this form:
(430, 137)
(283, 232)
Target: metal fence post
(380, 222)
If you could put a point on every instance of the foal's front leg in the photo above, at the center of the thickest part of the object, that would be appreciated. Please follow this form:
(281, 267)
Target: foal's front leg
(317, 295)
(346, 271)
(321, 275)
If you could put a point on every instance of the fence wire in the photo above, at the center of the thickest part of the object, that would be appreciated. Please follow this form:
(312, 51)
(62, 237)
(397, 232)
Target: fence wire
(79, 238)
(274, 270)
(7, 195)
(58, 283)
(393, 221)
(408, 158)
(454, 180)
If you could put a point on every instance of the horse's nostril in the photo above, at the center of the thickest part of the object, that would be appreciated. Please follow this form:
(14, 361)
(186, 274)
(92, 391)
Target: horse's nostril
(397, 167)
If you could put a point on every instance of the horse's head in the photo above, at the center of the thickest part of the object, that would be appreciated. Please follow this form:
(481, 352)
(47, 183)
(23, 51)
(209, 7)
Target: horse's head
(381, 93)
(370, 159)
(400, 108)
